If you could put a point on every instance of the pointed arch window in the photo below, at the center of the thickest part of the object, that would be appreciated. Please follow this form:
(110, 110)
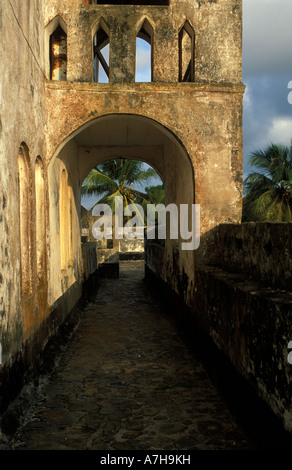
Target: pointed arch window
(101, 52)
(144, 53)
(187, 53)
(58, 54)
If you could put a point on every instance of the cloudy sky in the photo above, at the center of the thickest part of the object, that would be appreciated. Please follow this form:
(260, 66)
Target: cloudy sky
(267, 71)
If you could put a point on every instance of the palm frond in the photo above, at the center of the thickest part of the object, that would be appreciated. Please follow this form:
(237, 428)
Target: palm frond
(141, 217)
(97, 182)
(118, 177)
(145, 176)
(108, 199)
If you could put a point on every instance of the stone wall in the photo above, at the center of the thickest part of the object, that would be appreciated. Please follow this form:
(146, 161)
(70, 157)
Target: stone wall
(189, 131)
(217, 27)
(131, 246)
(23, 281)
(243, 302)
(263, 250)
(89, 254)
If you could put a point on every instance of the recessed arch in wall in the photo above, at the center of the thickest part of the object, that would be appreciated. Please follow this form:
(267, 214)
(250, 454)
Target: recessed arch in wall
(25, 218)
(70, 221)
(63, 207)
(40, 219)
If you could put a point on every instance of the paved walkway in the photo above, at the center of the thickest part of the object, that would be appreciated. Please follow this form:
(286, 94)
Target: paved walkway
(127, 382)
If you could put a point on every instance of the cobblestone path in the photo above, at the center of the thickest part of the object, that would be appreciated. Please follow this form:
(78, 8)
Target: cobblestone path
(127, 382)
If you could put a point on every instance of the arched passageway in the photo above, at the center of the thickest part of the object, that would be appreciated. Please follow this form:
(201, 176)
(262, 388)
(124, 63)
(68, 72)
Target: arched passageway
(108, 137)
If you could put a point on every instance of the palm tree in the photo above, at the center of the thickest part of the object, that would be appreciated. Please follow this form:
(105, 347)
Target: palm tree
(156, 194)
(267, 190)
(117, 178)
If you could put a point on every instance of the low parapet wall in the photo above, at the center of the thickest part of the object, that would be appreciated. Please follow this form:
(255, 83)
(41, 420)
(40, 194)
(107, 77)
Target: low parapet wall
(252, 325)
(262, 250)
(243, 301)
(246, 301)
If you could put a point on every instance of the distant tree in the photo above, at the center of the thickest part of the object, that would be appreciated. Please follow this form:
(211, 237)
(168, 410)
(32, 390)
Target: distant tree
(267, 190)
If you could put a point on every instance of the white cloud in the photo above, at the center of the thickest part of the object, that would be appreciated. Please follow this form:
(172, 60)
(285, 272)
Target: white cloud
(281, 131)
(267, 74)
(267, 36)
(143, 55)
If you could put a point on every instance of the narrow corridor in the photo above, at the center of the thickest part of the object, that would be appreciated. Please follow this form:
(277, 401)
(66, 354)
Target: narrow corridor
(126, 381)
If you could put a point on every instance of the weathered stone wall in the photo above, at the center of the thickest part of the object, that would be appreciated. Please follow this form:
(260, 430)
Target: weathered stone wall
(217, 26)
(243, 301)
(23, 120)
(263, 250)
(202, 119)
(135, 245)
(62, 277)
(89, 253)
(205, 158)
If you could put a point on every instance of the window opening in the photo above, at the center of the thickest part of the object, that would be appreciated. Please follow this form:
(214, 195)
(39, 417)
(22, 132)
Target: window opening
(58, 54)
(144, 53)
(101, 49)
(186, 53)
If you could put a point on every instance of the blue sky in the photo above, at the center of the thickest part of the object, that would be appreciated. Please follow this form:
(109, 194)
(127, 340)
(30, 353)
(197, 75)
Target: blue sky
(143, 61)
(267, 72)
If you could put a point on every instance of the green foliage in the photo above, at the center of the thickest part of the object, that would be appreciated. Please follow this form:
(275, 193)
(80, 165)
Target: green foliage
(118, 178)
(155, 194)
(267, 190)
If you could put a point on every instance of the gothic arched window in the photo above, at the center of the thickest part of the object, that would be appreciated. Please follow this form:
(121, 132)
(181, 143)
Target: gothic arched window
(58, 54)
(101, 51)
(187, 53)
(144, 53)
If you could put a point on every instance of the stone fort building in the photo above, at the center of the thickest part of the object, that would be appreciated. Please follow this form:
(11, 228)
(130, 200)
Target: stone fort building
(58, 120)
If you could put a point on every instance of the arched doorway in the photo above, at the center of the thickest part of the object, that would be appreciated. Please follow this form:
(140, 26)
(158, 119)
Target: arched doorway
(108, 137)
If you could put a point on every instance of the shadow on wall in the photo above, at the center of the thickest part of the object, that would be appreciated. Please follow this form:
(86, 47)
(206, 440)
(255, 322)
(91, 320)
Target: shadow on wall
(242, 301)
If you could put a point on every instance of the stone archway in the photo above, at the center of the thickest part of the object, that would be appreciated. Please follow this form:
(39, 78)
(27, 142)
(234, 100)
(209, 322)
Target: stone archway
(112, 136)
